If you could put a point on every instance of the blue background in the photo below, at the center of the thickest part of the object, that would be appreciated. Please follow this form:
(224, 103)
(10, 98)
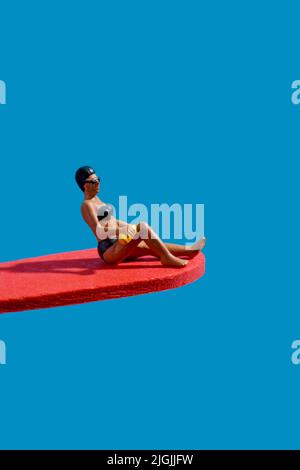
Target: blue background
(183, 102)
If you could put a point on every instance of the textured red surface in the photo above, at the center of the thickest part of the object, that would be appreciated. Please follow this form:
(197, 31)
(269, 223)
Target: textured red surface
(81, 276)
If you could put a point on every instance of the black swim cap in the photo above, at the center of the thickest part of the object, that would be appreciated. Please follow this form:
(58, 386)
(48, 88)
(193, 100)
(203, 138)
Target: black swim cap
(82, 174)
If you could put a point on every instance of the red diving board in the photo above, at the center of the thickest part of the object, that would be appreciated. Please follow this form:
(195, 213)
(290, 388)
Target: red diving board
(81, 276)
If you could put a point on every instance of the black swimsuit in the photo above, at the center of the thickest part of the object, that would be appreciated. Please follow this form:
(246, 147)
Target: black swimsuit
(103, 245)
